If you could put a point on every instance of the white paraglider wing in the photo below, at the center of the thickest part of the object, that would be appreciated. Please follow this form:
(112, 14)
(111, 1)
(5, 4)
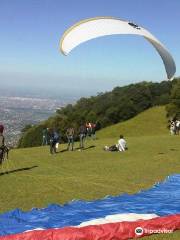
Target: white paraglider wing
(103, 26)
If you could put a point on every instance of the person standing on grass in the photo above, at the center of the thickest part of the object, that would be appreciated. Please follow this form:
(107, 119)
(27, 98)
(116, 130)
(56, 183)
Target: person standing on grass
(93, 131)
(56, 140)
(52, 141)
(89, 129)
(45, 136)
(82, 135)
(70, 138)
(2, 139)
(2, 143)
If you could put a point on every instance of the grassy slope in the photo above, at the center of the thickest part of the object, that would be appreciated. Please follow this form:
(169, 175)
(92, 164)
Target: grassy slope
(93, 173)
(149, 123)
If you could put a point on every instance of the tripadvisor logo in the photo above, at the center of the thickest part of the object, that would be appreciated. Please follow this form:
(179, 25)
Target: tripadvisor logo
(139, 231)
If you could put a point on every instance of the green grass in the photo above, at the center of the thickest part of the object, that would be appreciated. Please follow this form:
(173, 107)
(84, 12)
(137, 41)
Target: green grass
(91, 174)
(148, 123)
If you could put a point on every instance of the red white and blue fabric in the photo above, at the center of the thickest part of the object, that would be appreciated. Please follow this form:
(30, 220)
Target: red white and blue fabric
(156, 210)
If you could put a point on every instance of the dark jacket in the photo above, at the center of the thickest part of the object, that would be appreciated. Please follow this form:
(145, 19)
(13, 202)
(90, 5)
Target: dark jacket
(82, 130)
(1, 140)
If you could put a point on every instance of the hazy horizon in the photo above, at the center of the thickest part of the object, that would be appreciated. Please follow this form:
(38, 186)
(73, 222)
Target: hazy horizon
(60, 92)
(29, 45)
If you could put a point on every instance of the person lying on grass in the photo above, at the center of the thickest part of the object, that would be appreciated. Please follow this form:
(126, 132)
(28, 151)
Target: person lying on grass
(121, 146)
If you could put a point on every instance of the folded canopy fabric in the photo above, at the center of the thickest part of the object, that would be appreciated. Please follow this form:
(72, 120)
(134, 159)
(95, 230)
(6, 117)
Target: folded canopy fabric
(155, 209)
(118, 231)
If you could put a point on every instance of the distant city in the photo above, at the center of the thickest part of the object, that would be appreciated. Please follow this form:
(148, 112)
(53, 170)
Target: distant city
(17, 112)
(23, 105)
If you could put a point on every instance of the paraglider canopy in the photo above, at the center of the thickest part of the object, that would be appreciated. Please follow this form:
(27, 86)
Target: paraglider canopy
(102, 26)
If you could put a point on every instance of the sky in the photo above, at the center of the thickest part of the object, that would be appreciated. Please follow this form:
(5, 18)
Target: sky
(30, 32)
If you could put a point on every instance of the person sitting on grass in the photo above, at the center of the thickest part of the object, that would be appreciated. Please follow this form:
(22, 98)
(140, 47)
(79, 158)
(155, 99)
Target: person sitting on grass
(121, 146)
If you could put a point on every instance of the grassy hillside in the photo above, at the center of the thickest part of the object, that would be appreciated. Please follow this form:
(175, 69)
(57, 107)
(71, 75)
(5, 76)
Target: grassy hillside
(105, 109)
(34, 178)
(151, 122)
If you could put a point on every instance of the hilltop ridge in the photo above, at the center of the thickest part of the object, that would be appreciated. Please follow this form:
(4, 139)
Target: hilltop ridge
(151, 122)
(105, 109)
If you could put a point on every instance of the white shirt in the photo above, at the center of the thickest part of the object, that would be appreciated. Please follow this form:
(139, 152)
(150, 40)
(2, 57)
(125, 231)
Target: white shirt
(121, 144)
(177, 123)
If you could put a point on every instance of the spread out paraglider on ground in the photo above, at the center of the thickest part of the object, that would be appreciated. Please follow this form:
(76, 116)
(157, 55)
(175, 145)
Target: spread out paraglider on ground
(102, 26)
(155, 210)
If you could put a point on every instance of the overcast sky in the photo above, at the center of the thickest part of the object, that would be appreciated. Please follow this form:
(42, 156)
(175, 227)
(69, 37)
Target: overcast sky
(30, 32)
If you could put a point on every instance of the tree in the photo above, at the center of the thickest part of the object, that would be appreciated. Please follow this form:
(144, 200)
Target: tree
(173, 108)
(106, 108)
(27, 127)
